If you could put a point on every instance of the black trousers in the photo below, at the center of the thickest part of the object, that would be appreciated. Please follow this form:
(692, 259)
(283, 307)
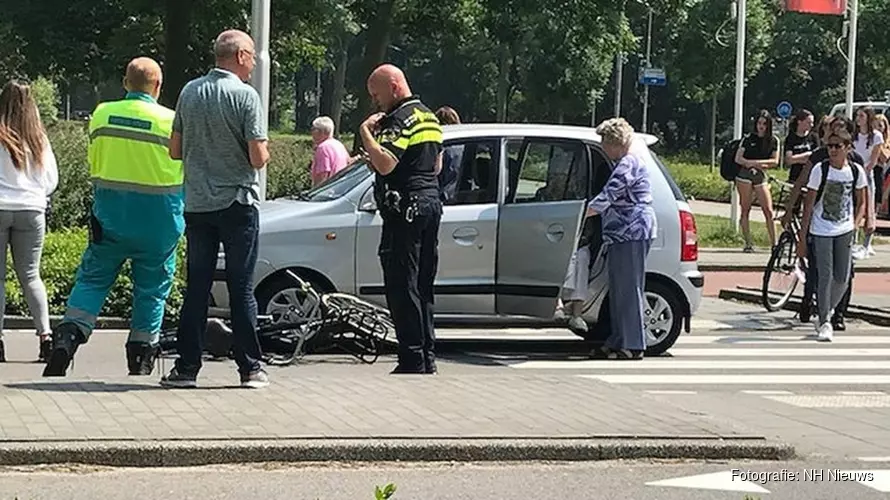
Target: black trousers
(409, 256)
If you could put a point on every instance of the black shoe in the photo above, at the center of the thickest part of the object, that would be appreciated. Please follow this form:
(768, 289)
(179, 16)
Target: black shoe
(141, 358)
(805, 312)
(46, 348)
(2, 352)
(66, 339)
(399, 370)
(838, 324)
(178, 380)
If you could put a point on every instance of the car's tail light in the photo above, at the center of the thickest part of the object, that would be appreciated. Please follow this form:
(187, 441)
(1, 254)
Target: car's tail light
(688, 237)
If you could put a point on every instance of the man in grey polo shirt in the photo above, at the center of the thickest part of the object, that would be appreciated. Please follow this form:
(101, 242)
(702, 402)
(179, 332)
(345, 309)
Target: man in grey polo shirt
(220, 134)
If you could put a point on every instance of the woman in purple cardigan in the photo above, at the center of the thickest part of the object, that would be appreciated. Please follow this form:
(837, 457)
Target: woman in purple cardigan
(629, 227)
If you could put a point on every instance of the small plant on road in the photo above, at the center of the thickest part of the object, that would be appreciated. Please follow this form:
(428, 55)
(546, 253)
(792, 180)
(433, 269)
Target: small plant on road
(387, 492)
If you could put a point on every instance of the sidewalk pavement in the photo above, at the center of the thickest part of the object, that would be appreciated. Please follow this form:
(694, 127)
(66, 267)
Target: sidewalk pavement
(338, 409)
(733, 259)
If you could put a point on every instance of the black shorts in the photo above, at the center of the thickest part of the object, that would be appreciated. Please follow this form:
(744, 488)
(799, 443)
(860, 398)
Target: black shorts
(753, 176)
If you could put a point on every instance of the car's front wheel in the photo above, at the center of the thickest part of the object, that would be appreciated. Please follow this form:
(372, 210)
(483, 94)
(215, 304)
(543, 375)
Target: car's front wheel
(282, 298)
(663, 316)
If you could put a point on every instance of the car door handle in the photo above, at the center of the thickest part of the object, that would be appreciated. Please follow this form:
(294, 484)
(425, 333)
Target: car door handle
(465, 235)
(556, 232)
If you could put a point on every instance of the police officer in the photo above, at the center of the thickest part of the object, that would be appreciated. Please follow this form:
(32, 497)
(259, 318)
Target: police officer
(404, 144)
(137, 214)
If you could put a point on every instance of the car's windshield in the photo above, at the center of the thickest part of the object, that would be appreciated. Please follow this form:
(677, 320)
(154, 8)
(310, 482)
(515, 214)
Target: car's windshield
(337, 186)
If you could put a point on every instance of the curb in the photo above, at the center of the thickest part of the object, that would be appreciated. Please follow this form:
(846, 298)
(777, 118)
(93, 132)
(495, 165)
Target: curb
(871, 315)
(197, 453)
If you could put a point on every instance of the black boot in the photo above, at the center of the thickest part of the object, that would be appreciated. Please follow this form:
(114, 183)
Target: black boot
(837, 323)
(66, 339)
(141, 358)
(46, 348)
(2, 352)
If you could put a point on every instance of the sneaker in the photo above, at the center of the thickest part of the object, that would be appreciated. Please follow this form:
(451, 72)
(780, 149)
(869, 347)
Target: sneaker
(870, 251)
(825, 332)
(255, 379)
(838, 324)
(748, 249)
(141, 358)
(179, 380)
(66, 339)
(859, 253)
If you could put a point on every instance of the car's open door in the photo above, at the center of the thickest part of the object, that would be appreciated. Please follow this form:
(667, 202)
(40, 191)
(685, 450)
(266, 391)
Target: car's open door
(539, 224)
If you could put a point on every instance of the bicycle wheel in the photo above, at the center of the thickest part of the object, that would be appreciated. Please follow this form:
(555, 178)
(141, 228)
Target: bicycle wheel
(779, 279)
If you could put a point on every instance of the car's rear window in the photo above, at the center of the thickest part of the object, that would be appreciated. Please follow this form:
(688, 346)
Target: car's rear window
(678, 195)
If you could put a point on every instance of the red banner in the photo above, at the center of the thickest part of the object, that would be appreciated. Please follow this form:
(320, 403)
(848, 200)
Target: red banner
(834, 7)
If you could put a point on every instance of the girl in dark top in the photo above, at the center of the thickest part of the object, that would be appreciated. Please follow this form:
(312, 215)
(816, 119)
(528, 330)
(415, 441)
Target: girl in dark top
(757, 152)
(800, 143)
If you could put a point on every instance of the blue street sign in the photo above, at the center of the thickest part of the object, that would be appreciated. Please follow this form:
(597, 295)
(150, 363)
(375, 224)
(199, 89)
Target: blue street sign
(784, 109)
(653, 76)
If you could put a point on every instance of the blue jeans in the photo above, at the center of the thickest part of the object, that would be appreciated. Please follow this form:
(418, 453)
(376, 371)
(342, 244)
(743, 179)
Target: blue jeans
(237, 228)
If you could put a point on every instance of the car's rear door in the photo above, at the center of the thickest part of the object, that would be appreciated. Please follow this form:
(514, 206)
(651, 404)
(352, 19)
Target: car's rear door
(540, 222)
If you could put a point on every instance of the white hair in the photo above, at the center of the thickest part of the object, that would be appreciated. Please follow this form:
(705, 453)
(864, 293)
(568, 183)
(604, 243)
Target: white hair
(323, 124)
(616, 131)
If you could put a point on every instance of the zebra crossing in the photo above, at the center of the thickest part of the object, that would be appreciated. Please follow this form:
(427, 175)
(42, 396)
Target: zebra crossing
(743, 358)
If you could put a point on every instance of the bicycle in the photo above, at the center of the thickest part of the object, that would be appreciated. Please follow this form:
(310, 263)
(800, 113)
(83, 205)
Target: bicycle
(332, 321)
(783, 256)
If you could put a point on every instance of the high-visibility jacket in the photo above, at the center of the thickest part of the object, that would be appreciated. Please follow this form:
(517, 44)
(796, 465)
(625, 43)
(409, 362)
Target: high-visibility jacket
(137, 186)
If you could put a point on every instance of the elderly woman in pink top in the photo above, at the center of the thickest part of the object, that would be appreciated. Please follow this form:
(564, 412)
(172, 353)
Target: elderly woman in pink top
(331, 155)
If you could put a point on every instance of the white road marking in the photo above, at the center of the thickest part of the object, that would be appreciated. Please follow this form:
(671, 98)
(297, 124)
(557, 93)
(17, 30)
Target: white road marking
(878, 480)
(874, 459)
(671, 392)
(767, 393)
(768, 379)
(862, 393)
(778, 339)
(815, 351)
(722, 481)
(682, 364)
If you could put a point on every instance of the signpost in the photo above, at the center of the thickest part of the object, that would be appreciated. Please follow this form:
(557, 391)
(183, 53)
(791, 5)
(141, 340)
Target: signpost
(653, 76)
(784, 110)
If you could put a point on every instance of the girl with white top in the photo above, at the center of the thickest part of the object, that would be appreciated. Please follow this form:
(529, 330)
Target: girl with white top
(28, 175)
(835, 203)
(868, 144)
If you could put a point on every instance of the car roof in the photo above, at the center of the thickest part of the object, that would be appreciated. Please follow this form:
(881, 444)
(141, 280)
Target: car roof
(536, 129)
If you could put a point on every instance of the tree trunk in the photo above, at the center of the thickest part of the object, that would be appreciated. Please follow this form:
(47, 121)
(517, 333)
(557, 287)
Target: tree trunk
(503, 82)
(339, 86)
(379, 31)
(177, 26)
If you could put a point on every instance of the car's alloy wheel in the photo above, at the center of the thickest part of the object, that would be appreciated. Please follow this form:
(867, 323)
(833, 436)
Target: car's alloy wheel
(286, 303)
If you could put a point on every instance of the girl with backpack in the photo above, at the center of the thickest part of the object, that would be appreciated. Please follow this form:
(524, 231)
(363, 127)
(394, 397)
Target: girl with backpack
(757, 152)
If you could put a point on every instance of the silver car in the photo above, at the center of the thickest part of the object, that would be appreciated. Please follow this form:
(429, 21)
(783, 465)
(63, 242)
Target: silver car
(505, 240)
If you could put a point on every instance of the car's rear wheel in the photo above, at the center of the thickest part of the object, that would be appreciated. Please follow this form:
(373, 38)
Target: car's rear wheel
(663, 315)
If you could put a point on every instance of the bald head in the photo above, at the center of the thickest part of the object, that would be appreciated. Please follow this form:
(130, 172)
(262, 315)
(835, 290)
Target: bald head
(388, 85)
(143, 75)
(235, 51)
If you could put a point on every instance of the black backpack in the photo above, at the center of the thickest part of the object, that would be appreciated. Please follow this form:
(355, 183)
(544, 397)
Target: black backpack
(825, 166)
(729, 169)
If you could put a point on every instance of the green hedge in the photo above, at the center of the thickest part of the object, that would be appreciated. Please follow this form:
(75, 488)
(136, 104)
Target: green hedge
(699, 182)
(66, 239)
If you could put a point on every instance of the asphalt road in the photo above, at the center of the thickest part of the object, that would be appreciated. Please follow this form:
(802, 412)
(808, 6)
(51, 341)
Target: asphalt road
(613, 480)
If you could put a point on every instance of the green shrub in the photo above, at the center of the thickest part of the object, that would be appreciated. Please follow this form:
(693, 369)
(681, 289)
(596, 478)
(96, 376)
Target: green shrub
(62, 252)
(46, 94)
(698, 182)
(287, 172)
